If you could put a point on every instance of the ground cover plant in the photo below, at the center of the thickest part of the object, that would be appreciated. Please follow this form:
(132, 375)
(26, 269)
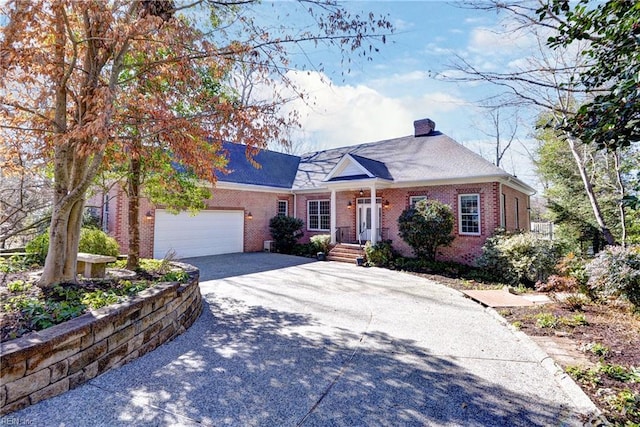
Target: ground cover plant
(25, 307)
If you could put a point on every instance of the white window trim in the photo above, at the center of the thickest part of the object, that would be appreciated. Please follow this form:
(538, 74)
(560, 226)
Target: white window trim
(517, 214)
(319, 221)
(415, 199)
(286, 210)
(466, 233)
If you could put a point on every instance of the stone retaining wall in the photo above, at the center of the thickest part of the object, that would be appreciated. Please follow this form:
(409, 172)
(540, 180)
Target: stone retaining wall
(47, 363)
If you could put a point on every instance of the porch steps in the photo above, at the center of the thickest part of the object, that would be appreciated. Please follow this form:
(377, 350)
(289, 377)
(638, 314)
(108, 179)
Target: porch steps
(344, 252)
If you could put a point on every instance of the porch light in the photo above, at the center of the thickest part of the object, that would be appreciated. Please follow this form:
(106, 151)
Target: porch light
(249, 216)
(387, 204)
(349, 205)
(148, 216)
(361, 193)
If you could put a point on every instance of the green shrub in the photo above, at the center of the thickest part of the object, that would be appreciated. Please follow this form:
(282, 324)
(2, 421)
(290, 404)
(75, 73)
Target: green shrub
(521, 258)
(578, 319)
(97, 242)
(39, 246)
(615, 271)
(381, 254)
(427, 226)
(575, 267)
(321, 242)
(92, 241)
(305, 249)
(411, 264)
(285, 230)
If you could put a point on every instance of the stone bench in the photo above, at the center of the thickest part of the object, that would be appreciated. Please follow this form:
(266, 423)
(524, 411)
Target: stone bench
(91, 265)
(12, 254)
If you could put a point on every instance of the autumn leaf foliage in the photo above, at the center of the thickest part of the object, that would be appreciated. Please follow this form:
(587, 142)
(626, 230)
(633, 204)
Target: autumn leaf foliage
(88, 85)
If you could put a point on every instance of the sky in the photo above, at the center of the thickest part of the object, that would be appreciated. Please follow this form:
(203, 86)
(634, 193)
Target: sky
(380, 99)
(367, 101)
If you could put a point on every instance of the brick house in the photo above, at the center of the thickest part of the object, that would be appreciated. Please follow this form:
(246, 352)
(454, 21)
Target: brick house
(354, 193)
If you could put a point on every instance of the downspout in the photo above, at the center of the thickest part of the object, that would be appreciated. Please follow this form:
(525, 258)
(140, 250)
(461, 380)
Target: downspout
(374, 216)
(503, 216)
(333, 216)
(295, 205)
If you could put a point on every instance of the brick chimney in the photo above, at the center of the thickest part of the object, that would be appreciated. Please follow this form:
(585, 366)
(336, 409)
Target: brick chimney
(423, 127)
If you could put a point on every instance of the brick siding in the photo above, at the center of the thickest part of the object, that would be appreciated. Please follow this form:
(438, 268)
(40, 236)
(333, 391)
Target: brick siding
(264, 205)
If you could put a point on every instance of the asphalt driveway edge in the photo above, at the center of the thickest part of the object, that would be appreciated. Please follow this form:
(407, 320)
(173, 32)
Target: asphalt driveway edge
(568, 385)
(287, 342)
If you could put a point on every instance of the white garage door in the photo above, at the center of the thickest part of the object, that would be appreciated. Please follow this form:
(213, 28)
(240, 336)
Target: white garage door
(208, 233)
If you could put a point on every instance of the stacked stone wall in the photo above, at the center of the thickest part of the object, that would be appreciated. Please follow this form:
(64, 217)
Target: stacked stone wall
(47, 363)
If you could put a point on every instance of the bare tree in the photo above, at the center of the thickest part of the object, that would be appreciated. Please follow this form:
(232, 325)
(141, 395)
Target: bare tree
(25, 205)
(547, 79)
(502, 130)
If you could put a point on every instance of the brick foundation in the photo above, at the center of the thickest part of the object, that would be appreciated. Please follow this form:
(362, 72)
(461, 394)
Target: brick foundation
(47, 363)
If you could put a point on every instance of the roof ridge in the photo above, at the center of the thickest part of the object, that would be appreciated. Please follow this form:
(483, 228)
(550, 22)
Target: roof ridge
(364, 144)
(261, 149)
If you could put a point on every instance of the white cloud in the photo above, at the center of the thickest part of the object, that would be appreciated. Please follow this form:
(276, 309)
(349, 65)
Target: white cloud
(487, 41)
(346, 114)
(402, 25)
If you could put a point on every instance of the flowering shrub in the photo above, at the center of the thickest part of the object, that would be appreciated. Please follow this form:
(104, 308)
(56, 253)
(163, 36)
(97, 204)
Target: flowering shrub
(615, 271)
(381, 254)
(321, 242)
(522, 258)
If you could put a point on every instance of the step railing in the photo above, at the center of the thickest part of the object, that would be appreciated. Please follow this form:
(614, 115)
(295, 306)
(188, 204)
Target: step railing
(343, 234)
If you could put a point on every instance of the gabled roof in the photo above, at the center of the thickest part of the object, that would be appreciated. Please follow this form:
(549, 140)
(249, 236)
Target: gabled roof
(412, 160)
(352, 167)
(409, 159)
(377, 169)
(275, 169)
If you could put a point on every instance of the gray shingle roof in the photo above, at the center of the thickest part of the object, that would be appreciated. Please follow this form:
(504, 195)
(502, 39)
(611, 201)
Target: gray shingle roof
(407, 159)
(276, 169)
(378, 169)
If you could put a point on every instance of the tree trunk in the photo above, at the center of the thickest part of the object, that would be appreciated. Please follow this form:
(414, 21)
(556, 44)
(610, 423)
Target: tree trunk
(608, 237)
(621, 193)
(133, 258)
(73, 174)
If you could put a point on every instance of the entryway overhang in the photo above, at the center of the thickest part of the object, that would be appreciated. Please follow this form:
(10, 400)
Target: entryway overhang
(371, 184)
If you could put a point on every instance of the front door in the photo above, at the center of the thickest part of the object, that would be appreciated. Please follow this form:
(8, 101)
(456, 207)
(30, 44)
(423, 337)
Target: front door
(363, 218)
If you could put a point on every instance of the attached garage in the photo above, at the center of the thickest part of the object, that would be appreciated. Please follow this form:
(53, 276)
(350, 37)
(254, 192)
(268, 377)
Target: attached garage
(208, 233)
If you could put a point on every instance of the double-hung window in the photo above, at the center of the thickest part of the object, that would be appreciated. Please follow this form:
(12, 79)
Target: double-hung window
(469, 213)
(283, 207)
(318, 215)
(415, 199)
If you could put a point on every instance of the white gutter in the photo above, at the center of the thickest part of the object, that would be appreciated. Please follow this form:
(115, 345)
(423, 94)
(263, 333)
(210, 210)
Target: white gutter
(253, 187)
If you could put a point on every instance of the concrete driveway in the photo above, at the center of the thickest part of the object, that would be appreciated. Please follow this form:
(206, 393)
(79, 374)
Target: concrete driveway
(288, 342)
